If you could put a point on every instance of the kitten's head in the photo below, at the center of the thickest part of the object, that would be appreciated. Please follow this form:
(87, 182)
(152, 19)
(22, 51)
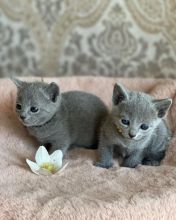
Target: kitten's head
(137, 114)
(36, 102)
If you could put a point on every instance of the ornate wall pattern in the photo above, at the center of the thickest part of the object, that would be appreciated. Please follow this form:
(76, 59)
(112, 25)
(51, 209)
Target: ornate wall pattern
(88, 37)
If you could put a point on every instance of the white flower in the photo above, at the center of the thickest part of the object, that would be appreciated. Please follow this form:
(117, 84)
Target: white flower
(46, 164)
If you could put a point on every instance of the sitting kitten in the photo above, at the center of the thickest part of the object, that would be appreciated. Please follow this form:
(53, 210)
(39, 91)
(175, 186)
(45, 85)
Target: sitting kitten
(59, 120)
(135, 129)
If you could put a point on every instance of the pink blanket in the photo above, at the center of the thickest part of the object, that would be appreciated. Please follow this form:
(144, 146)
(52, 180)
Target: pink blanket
(83, 191)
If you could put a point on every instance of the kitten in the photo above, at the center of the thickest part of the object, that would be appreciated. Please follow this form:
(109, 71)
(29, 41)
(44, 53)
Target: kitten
(134, 129)
(60, 120)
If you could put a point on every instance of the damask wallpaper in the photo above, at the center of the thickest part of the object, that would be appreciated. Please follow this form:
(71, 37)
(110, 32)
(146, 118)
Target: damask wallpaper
(88, 37)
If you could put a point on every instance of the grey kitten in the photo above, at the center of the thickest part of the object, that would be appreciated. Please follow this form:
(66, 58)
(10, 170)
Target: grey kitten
(134, 129)
(60, 120)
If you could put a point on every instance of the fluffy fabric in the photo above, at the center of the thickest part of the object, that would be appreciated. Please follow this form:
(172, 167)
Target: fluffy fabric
(83, 191)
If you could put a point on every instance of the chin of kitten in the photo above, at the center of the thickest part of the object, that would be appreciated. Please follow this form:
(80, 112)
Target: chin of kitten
(135, 129)
(59, 120)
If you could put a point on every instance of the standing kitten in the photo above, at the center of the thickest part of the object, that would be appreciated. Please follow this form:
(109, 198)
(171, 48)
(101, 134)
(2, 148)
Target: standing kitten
(135, 129)
(60, 120)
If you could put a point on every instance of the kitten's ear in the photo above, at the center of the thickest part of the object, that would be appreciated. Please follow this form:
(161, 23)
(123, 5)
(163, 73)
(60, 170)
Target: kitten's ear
(53, 91)
(119, 94)
(18, 82)
(162, 106)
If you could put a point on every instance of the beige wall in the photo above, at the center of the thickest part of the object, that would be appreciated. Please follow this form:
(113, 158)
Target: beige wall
(97, 37)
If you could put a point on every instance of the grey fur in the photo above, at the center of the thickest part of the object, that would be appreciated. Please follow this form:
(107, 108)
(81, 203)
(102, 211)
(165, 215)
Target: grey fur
(144, 146)
(64, 120)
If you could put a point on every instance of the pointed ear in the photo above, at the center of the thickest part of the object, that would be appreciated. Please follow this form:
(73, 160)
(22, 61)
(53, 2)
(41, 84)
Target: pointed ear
(162, 106)
(53, 91)
(119, 94)
(18, 82)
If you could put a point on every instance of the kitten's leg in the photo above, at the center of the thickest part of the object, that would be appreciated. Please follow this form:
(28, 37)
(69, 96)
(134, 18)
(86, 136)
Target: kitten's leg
(48, 146)
(105, 154)
(59, 145)
(151, 162)
(133, 160)
(63, 148)
(153, 159)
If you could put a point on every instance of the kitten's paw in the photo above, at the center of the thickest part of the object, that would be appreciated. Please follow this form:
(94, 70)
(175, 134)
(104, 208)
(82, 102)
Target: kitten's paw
(130, 163)
(151, 162)
(102, 165)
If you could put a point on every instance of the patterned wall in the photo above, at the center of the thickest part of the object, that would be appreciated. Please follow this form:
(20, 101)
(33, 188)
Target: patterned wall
(80, 37)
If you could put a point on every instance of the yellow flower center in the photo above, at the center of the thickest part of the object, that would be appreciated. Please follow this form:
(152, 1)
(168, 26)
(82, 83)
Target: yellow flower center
(49, 167)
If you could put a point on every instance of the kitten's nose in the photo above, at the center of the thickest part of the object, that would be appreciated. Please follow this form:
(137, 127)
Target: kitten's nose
(22, 117)
(131, 135)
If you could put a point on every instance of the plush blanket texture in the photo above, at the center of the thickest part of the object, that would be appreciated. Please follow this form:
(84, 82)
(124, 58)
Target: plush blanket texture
(83, 191)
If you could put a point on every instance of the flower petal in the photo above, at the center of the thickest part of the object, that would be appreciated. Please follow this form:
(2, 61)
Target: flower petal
(34, 167)
(62, 168)
(56, 158)
(42, 156)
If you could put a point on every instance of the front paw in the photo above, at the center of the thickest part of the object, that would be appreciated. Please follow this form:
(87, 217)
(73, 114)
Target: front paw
(151, 162)
(103, 165)
(130, 163)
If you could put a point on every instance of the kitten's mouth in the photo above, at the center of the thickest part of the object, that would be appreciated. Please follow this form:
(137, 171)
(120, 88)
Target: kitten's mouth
(26, 124)
(135, 138)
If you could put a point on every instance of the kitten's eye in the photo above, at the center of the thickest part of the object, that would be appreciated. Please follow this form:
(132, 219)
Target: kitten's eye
(144, 127)
(125, 122)
(34, 109)
(18, 106)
